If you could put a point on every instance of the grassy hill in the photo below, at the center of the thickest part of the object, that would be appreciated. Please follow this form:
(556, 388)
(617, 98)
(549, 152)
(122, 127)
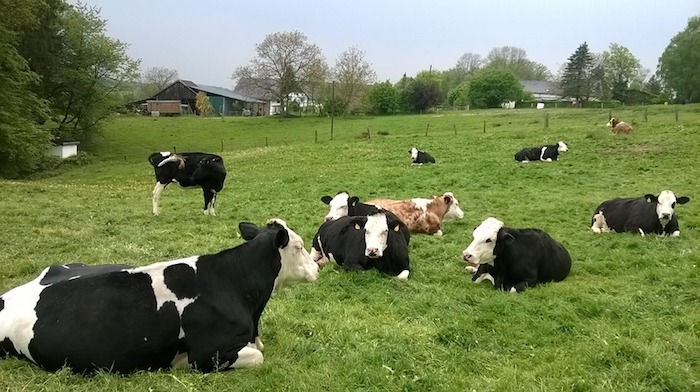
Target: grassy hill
(625, 319)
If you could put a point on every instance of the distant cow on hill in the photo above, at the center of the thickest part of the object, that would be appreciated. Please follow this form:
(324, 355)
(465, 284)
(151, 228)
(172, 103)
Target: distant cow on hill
(189, 169)
(420, 157)
(542, 153)
(617, 126)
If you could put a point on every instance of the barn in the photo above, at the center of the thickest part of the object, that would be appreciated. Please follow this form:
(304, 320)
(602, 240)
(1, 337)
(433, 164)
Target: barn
(225, 102)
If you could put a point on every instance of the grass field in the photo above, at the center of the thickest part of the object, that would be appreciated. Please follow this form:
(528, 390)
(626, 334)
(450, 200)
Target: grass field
(626, 318)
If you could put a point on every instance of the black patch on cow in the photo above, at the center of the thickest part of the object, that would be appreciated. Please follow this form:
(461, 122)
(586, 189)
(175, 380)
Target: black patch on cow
(633, 214)
(2, 304)
(108, 321)
(181, 279)
(60, 273)
(7, 348)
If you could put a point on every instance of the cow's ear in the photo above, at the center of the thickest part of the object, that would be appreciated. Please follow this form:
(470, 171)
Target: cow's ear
(281, 238)
(682, 199)
(326, 199)
(248, 230)
(650, 198)
(394, 224)
(354, 200)
(447, 199)
(505, 237)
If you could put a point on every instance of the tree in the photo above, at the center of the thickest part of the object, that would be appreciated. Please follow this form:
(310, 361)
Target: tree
(515, 60)
(85, 87)
(155, 79)
(383, 98)
(286, 63)
(490, 87)
(468, 63)
(23, 143)
(353, 75)
(678, 65)
(422, 92)
(622, 69)
(459, 96)
(576, 79)
(203, 105)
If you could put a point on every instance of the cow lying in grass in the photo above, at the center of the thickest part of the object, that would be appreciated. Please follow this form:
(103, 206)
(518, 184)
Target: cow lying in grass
(515, 259)
(423, 215)
(617, 126)
(543, 153)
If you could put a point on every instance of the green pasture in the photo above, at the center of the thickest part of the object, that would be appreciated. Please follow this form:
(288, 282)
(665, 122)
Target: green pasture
(626, 319)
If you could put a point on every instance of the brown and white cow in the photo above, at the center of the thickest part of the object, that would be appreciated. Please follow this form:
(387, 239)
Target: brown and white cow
(618, 126)
(423, 215)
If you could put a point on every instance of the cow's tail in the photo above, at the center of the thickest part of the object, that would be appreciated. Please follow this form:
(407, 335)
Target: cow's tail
(174, 158)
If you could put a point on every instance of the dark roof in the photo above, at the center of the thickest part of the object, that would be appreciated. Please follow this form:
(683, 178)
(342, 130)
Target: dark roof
(224, 92)
(541, 87)
(251, 88)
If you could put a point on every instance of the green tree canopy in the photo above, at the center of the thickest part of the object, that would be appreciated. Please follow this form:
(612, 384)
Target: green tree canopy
(490, 87)
(576, 80)
(383, 98)
(679, 65)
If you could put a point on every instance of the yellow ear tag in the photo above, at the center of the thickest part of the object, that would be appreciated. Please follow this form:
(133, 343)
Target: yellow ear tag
(396, 228)
(357, 227)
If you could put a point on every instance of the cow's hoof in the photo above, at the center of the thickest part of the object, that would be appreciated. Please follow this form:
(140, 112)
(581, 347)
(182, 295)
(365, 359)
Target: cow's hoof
(403, 275)
(471, 269)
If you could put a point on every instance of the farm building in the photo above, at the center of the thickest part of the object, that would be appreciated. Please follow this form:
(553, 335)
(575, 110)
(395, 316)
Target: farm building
(224, 101)
(542, 90)
(262, 89)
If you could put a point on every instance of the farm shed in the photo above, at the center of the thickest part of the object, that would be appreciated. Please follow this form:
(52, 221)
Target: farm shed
(225, 102)
(65, 149)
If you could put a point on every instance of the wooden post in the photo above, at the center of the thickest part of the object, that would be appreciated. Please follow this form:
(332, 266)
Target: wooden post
(455, 128)
(676, 113)
(484, 126)
(222, 145)
(645, 115)
(265, 141)
(316, 136)
(174, 150)
(369, 136)
(546, 121)
(609, 114)
(426, 129)
(332, 107)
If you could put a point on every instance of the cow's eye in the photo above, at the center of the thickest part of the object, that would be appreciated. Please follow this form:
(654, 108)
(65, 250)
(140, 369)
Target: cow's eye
(673, 205)
(488, 240)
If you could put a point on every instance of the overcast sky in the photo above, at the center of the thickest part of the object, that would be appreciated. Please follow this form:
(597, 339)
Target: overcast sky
(206, 40)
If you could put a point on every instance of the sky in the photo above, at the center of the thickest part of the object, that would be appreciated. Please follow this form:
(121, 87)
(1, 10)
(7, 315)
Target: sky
(207, 39)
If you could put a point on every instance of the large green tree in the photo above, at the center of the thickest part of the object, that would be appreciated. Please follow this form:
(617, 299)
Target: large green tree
(383, 98)
(490, 87)
(353, 75)
(679, 65)
(286, 63)
(622, 70)
(576, 80)
(23, 143)
(515, 60)
(423, 92)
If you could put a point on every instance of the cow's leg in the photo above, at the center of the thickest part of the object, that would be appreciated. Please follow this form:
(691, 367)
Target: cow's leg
(156, 196)
(213, 202)
(208, 197)
(247, 357)
(599, 225)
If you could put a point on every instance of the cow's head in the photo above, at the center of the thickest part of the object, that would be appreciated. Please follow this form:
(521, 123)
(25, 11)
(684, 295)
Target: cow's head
(340, 205)
(613, 121)
(561, 147)
(665, 204)
(454, 212)
(376, 227)
(482, 249)
(414, 153)
(297, 265)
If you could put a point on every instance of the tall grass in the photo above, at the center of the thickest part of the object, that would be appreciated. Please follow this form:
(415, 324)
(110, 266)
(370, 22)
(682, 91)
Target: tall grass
(625, 319)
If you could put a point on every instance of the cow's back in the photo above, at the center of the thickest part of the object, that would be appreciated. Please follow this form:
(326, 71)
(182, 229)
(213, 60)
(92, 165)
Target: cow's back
(533, 250)
(630, 214)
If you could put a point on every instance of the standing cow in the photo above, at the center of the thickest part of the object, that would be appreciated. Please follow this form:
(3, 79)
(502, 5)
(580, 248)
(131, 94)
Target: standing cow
(516, 258)
(364, 242)
(189, 169)
(645, 215)
(202, 312)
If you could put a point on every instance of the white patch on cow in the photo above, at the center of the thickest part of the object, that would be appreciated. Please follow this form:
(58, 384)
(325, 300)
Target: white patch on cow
(161, 291)
(562, 147)
(156, 196)
(641, 231)
(165, 154)
(599, 223)
(676, 233)
(485, 276)
(414, 153)
(513, 290)
(664, 207)
(18, 316)
(259, 344)
(403, 275)
(338, 206)
(376, 235)
(248, 357)
(422, 204)
(181, 361)
(74, 277)
(438, 233)
(480, 251)
(542, 153)
(297, 264)
(454, 212)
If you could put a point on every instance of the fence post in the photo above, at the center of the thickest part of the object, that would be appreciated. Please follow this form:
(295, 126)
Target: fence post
(546, 121)
(369, 136)
(609, 114)
(426, 129)
(676, 113)
(174, 150)
(455, 128)
(222, 145)
(484, 126)
(316, 136)
(265, 141)
(645, 115)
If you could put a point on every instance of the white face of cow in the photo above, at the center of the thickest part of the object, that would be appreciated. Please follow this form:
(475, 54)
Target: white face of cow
(454, 212)
(376, 235)
(339, 206)
(665, 205)
(612, 122)
(480, 251)
(562, 147)
(414, 153)
(297, 265)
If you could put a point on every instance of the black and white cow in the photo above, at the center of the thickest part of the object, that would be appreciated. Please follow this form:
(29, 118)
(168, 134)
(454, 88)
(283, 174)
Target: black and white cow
(200, 312)
(420, 157)
(515, 259)
(543, 153)
(645, 215)
(364, 242)
(189, 169)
